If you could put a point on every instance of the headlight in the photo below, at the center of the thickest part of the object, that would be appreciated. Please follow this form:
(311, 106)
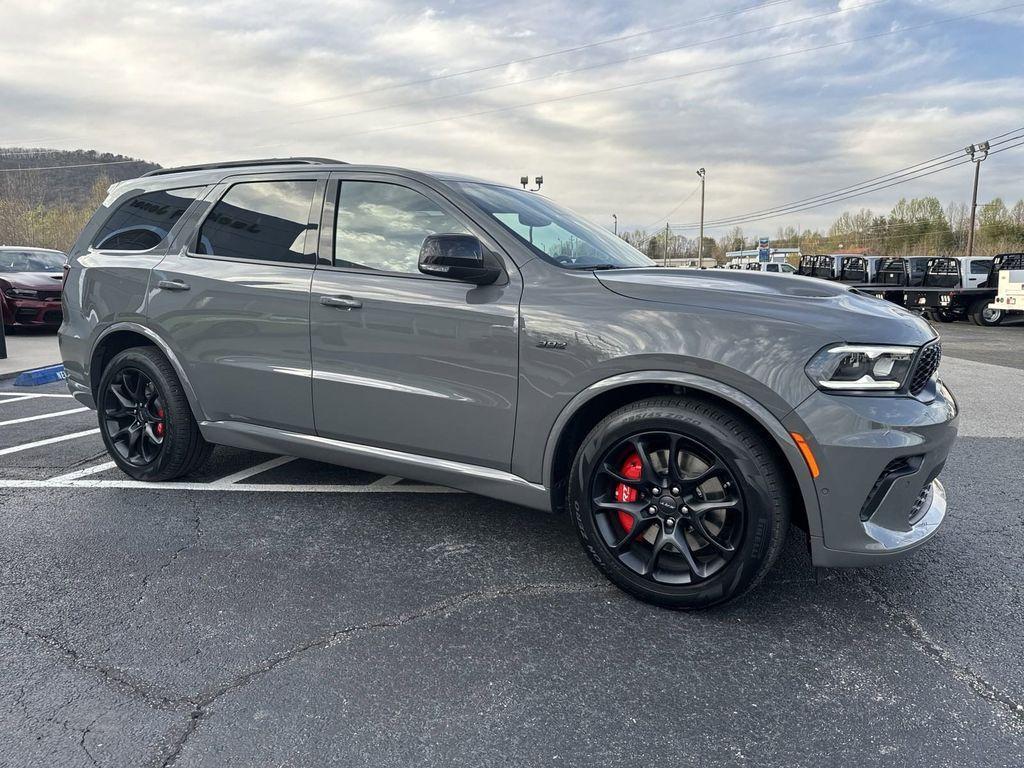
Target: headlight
(21, 293)
(861, 368)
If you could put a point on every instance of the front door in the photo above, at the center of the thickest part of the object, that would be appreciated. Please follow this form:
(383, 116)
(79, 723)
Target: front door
(233, 301)
(404, 360)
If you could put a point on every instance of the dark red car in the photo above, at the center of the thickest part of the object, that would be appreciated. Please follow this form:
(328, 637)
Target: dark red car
(30, 285)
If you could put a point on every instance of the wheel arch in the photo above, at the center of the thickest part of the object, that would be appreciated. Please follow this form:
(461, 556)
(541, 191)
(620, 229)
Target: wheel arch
(124, 335)
(591, 405)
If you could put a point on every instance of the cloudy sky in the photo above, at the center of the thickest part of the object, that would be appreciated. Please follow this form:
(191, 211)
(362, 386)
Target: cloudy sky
(648, 92)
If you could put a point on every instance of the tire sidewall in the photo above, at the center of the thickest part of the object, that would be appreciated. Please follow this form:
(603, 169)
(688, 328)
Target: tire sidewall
(755, 546)
(133, 358)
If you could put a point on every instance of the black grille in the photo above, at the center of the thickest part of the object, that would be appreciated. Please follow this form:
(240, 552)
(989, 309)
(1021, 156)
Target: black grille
(927, 364)
(53, 316)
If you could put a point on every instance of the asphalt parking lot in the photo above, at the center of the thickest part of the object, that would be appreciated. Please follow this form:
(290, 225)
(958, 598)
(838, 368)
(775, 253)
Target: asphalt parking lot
(282, 612)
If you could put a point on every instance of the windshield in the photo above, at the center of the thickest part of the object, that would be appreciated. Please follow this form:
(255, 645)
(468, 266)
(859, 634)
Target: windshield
(554, 233)
(31, 261)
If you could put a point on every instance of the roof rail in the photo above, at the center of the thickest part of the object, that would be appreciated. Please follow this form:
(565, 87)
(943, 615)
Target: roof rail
(247, 163)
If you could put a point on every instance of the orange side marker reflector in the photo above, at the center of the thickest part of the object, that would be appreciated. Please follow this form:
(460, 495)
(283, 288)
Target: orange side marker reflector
(805, 449)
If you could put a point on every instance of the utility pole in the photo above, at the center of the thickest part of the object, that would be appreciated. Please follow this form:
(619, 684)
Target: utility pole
(978, 153)
(700, 243)
(665, 260)
(616, 225)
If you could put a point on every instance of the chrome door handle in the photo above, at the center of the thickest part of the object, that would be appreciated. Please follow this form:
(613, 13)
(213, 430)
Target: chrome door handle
(342, 302)
(173, 285)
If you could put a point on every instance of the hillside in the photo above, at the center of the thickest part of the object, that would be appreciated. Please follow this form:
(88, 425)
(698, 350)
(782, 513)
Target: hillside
(65, 185)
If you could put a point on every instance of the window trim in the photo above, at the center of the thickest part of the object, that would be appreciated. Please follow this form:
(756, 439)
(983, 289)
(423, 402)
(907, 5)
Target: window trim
(171, 233)
(326, 252)
(312, 218)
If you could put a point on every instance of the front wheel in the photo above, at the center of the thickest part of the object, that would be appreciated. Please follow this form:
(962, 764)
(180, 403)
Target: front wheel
(982, 315)
(145, 419)
(679, 502)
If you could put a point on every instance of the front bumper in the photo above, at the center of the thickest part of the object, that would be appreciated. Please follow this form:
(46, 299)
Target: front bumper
(32, 312)
(880, 458)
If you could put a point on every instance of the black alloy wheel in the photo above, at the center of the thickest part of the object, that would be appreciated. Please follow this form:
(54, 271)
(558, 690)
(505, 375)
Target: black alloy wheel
(133, 412)
(145, 418)
(667, 507)
(680, 501)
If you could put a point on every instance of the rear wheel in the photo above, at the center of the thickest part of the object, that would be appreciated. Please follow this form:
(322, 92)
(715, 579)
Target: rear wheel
(981, 314)
(145, 419)
(679, 502)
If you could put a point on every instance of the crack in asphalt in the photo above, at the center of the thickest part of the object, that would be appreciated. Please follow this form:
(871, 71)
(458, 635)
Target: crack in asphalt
(111, 675)
(197, 535)
(85, 732)
(919, 636)
(201, 711)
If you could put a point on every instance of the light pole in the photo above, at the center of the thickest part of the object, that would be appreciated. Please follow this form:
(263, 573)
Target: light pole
(700, 243)
(615, 225)
(978, 153)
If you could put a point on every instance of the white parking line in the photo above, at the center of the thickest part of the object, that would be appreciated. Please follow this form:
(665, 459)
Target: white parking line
(47, 441)
(42, 416)
(386, 480)
(14, 397)
(234, 487)
(94, 470)
(248, 472)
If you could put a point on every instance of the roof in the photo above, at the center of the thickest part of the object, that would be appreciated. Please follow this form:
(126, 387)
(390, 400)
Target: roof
(246, 164)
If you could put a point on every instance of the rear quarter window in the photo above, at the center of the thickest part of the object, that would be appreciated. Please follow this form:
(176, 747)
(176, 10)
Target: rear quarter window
(142, 222)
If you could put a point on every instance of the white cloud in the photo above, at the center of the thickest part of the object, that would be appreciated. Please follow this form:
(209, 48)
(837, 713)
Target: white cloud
(194, 81)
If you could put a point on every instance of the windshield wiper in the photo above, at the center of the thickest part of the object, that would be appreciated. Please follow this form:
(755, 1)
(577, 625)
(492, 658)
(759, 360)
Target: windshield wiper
(594, 266)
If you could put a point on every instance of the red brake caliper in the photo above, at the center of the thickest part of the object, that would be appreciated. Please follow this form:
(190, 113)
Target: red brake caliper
(159, 429)
(633, 469)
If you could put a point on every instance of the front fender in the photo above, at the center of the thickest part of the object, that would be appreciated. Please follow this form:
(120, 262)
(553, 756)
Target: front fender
(739, 400)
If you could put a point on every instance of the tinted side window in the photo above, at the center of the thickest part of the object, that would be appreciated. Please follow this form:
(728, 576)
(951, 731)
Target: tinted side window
(260, 220)
(381, 226)
(980, 267)
(771, 267)
(141, 222)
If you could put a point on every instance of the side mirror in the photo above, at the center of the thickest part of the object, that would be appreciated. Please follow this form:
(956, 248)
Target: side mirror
(458, 257)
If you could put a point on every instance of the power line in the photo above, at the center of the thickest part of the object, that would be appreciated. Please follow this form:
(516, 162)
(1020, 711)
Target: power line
(678, 206)
(890, 180)
(669, 78)
(589, 67)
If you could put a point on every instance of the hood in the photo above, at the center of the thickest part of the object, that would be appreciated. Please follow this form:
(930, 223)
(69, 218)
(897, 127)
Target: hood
(37, 281)
(832, 308)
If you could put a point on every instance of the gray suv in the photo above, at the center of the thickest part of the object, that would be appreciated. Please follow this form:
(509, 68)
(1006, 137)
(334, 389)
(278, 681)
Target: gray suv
(479, 336)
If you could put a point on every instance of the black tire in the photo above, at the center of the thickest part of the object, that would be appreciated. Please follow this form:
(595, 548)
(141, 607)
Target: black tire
(942, 315)
(182, 449)
(981, 315)
(760, 481)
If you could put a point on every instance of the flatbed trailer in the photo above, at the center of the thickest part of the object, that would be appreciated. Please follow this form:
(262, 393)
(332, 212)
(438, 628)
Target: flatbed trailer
(957, 288)
(949, 304)
(895, 276)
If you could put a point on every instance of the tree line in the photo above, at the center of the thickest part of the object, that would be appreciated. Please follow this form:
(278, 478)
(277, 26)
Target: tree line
(914, 227)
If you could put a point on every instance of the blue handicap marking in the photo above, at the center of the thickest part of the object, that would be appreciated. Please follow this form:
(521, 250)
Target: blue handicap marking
(47, 375)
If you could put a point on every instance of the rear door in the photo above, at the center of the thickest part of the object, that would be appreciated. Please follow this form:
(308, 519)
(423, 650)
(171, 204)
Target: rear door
(403, 360)
(232, 299)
